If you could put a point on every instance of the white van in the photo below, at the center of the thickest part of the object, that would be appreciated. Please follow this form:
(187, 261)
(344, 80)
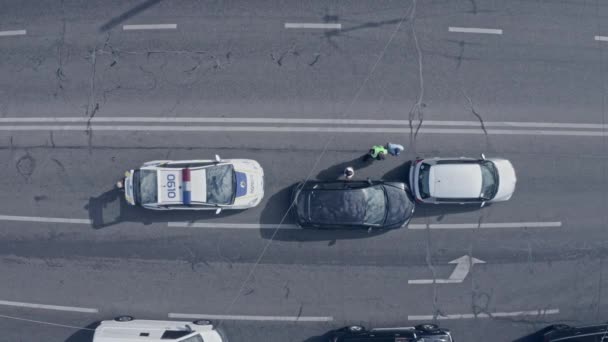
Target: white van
(127, 329)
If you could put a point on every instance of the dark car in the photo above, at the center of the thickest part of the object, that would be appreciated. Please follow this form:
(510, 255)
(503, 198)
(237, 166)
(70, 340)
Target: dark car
(419, 333)
(352, 204)
(566, 333)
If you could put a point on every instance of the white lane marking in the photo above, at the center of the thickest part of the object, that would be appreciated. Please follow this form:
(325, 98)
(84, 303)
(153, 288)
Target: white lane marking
(150, 27)
(463, 267)
(323, 26)
(474, 30)
(541, 312)
(210, 225)
(486, 225)
(48, 307)
(433, 281)
(253, 317)
(261, 120)
(43, 219)
(13, 33)
(288, 129)
(601, 38)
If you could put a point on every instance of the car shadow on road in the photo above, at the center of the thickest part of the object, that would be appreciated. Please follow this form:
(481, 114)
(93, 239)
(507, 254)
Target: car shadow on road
(85, 334)
(399, 174)
(337, 171)
(442, 211)
(279, 206)
(110, 208)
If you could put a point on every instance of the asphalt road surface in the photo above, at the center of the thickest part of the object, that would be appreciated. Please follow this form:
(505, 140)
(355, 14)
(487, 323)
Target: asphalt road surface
(86, 93)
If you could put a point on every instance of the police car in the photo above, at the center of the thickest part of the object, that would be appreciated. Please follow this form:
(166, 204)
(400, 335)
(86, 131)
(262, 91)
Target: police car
(195, 184)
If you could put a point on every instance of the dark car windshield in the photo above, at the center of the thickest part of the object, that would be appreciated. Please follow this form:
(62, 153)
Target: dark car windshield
(366, 206)
(220, 184)
(145, 186)
(399, 205)
(423, 180)
(489, 180)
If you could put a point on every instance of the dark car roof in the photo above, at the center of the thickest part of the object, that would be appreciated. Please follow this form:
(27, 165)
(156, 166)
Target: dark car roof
(395, 335)
(591, 333)
(344, 206)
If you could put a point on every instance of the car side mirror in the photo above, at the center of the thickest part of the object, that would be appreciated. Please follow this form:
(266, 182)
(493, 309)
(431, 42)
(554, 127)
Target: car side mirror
(218, 210)
(483, 157)
(217, 158)
(369, 181)
(482, 204)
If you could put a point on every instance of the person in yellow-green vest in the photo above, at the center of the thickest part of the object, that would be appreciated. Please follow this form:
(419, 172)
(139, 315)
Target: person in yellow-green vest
(377, 152)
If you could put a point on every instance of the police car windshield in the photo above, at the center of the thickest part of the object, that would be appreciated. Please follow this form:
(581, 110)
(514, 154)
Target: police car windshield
(147, 184)
(220, 184)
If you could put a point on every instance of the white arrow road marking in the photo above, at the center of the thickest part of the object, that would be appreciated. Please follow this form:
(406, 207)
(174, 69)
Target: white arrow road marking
(463, 267)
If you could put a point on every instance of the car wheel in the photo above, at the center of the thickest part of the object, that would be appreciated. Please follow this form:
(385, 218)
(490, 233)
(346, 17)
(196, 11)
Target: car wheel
(355, 328)
(202, 322)
(124, 318)
(428, 327)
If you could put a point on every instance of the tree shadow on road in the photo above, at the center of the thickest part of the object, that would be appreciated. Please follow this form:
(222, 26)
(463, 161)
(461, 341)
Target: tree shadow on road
(110, 208)
(85, 334)
(128, 15)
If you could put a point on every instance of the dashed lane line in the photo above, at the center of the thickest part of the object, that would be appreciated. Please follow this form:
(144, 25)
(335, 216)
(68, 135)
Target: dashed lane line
(507, 225)
(474, 30)
(150, 27)
(48, 307)
(44, 219)
(540, 312)
(253, 317)
(13, 33)
(322, 26)
(601, 38)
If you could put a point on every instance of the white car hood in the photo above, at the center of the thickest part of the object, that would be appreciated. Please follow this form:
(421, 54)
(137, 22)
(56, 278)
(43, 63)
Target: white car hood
(211, 336)
(506, 180)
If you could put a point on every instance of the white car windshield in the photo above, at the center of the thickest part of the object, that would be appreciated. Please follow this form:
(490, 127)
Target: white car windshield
(489, 177)
(220, 184)
(145, 186)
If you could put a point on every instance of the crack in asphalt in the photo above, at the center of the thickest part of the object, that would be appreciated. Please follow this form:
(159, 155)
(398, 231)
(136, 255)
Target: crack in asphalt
(477, 115)
(416, 110)
(279, 60)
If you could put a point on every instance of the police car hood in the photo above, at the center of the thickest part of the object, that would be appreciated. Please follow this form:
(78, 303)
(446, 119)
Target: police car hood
(249, 178)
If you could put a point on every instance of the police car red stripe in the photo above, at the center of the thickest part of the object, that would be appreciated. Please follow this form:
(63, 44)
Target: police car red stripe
(186, 187)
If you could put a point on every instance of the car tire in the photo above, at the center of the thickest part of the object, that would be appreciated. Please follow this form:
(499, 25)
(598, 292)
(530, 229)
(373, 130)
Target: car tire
(355, 328)
(427, 327)
(202, 322)
(124, 318)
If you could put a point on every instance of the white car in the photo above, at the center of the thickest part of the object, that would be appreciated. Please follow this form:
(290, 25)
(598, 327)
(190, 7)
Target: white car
(127, 329)
(462, 180)
(195, 184)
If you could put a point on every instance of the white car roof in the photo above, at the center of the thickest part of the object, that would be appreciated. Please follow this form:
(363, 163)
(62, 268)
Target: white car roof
(455, 180)
(171, 183)
(150, 331)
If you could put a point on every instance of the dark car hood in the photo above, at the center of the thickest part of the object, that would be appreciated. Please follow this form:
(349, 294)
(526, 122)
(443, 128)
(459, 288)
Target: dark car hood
(400, 206)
